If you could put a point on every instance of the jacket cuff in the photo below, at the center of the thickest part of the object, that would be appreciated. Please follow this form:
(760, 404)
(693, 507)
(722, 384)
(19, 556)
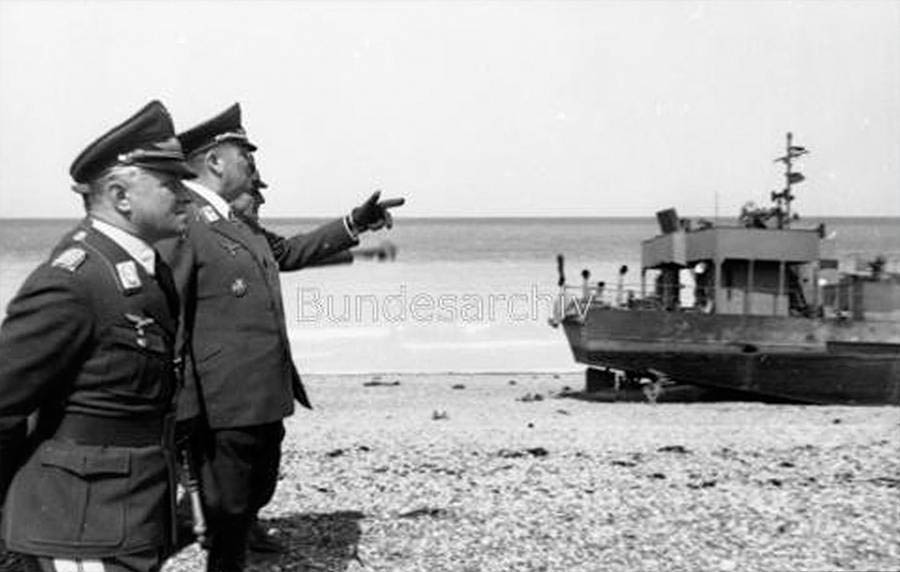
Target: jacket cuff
(350, 227)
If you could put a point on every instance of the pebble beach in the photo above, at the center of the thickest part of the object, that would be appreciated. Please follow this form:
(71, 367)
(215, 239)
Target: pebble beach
(453, 472)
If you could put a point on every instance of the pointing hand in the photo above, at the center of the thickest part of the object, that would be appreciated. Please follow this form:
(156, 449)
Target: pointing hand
(374, 214)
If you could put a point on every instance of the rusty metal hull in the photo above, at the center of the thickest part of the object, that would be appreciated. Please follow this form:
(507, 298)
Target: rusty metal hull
(804, 359)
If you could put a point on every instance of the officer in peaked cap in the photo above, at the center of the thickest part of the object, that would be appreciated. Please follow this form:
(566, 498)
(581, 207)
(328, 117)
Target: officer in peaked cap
(239, 370)
(87, 348)
(223, 128)
(145, 140)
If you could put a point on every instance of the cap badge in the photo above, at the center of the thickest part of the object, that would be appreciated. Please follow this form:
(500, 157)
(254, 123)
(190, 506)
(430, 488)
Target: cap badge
(238, 287)
(70, 259)
(209, 213)
(128, 275)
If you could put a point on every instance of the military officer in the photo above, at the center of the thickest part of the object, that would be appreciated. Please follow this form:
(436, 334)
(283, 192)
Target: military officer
(246, 207)
(240, 377)
(87, 345)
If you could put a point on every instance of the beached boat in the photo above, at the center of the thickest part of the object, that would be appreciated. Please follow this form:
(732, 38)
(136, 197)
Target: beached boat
(760, 306)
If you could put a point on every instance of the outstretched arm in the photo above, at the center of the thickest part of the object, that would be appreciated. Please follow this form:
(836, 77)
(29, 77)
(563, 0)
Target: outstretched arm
(328, 243)
(313, 248)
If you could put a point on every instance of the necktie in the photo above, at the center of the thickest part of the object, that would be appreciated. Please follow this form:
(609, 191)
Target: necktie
(167, 284)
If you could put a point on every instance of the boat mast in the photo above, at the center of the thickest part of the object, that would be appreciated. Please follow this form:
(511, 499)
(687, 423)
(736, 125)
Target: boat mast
(791, 177)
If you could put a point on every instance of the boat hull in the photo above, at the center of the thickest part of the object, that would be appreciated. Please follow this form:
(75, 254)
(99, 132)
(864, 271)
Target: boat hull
(803, 359)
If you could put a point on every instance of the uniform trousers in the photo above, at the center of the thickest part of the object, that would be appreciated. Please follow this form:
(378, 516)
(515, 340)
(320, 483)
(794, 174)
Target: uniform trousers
(238, 474)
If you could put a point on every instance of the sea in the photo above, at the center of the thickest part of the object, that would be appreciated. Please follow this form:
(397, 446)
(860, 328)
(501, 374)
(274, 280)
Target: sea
(461, 295)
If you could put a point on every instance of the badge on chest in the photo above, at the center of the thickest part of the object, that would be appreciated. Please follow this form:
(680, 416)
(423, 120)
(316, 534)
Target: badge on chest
(140, 324)
(230, 246)
(239, 287)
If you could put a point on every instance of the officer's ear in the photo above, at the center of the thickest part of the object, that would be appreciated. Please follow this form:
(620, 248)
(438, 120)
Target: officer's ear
(117, 191)
(214, 162)
(115, 187)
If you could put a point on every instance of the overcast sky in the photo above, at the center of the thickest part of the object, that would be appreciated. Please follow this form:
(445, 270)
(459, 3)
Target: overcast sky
(474, 108)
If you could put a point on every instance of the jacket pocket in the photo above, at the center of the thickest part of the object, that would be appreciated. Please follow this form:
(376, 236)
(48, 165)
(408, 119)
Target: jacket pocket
(75, 496)
(142, 362)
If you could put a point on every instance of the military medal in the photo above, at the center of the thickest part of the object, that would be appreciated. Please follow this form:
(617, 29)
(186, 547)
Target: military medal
(238, 287)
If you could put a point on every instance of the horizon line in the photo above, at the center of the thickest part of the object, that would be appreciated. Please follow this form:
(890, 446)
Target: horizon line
(489, 217)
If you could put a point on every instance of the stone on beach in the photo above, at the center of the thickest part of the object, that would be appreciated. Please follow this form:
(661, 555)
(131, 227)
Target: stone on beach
(612, 486)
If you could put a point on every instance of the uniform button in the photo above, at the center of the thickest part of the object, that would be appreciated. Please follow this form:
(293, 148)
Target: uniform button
(239, 287)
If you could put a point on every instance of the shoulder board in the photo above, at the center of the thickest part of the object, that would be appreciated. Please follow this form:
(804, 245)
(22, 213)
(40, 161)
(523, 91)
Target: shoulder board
(70, 259)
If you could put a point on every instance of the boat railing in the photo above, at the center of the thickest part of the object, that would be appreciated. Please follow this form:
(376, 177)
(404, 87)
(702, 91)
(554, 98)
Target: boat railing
(842, 300)
(574, 301)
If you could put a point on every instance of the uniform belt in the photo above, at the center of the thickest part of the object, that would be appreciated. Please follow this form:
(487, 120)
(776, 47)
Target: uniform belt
(112, 431)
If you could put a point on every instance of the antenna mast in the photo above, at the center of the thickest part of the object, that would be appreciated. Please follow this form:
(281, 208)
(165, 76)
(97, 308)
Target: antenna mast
(791, 177)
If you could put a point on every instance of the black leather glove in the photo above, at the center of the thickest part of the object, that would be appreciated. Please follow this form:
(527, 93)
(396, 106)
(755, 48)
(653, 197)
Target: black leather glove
(374, 214)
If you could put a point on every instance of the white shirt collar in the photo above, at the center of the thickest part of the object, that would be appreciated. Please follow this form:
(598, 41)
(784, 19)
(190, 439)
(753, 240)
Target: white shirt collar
(212, 197)
(134, 246)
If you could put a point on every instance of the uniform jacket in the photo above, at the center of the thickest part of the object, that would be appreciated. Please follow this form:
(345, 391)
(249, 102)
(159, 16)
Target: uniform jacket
(294, 253)
(70, 347)
(239, 371)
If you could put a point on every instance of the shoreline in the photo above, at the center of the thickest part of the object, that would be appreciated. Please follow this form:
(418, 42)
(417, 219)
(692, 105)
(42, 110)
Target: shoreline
(457, 373)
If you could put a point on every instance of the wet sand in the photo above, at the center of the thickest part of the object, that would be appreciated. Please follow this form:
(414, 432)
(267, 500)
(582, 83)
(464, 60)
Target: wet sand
(497, 473)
